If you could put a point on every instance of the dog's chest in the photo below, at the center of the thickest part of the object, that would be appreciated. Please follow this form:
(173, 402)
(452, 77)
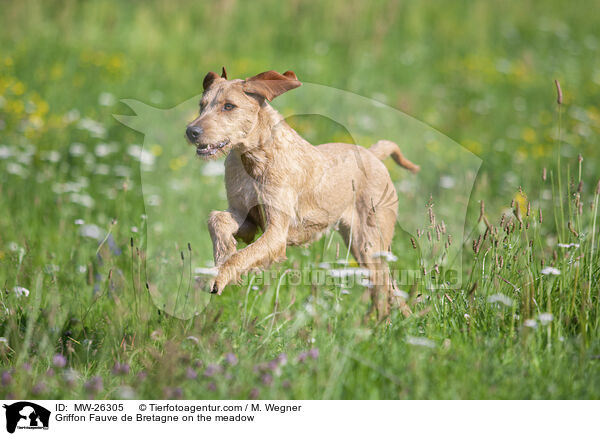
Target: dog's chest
(242, 188)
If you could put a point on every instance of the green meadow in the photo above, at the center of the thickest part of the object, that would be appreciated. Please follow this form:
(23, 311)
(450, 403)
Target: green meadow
(96, 179)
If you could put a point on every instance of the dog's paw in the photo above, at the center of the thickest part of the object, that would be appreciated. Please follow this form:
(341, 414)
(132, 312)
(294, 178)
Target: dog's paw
(223, 278)
(218, 285)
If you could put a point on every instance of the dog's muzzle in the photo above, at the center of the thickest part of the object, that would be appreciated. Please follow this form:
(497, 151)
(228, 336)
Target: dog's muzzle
(210, 149)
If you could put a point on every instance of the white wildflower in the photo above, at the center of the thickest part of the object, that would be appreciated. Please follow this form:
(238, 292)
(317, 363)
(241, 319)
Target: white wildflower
(52, 156)
(70, 375)
(447, 182)
(213, 169)
(389, 257)
(400, 294)
(6, 151)
(103, 149)
(531, 323)
(106, 99)
(500, 298)
(126, 393)
(72, 116)
(91, 231)
(122, 171)
(77, 149)
(551, 271)
(137, 152)
(568, 245)
(102, 170)
(93, 127)
(545, 318)
(79, 222)
(21, 291)
(82, 199)
(420, 342)
(16, 169)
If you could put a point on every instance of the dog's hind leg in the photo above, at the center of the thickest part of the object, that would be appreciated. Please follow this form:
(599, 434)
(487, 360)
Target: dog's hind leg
(364, 241)
(367, 238)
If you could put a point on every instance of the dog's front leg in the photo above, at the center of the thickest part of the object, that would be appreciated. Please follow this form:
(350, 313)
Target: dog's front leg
(223, 227)
(269, 248)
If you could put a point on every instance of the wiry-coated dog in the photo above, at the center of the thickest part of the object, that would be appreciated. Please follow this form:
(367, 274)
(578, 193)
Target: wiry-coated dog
(291, 190)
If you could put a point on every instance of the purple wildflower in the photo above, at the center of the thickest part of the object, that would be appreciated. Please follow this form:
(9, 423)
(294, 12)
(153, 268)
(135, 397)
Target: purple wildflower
(212, 387)
(212, 369)
(6, 378)
(39, 388)
(59, 361)
(94, 385)
(267, 379)
(231, 359)
(314, 353)
(282, 358)
(302, 356)
(120, 368)
(190, 373)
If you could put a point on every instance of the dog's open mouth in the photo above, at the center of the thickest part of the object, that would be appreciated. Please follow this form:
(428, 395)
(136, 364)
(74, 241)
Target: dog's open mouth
(210, 149)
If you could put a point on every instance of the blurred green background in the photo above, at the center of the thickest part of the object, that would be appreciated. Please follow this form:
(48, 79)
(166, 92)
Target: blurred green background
(479, 72)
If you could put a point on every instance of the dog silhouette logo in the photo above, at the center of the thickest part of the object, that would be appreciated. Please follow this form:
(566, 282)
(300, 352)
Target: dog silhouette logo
(26, 415)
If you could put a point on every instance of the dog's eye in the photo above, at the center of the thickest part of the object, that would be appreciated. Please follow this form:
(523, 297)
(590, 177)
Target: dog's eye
(228, 106)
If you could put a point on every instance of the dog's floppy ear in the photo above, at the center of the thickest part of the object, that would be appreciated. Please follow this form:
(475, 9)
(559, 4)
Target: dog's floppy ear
(271, 84)
(290, 75)
(209, 79)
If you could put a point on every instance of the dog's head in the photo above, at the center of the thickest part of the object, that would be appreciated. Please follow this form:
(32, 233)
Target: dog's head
(229, 109)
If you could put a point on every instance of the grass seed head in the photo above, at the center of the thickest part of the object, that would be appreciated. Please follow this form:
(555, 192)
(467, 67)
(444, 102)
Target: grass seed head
(559, 95)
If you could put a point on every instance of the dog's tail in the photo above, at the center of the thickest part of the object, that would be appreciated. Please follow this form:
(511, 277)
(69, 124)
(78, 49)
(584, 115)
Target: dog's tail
(383, 149)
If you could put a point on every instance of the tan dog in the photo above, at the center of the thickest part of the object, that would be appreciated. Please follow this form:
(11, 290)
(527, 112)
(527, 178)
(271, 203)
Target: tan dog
(293, 191)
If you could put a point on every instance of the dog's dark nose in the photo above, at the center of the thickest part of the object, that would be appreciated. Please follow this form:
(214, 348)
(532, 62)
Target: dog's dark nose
(193, 132)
